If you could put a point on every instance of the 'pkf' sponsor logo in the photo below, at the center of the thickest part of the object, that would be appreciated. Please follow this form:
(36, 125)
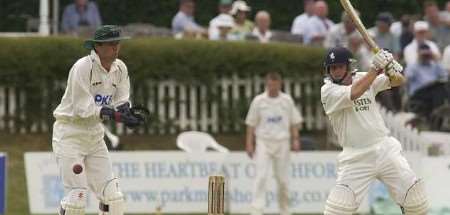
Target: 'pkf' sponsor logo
(274, 119)
(103, 100)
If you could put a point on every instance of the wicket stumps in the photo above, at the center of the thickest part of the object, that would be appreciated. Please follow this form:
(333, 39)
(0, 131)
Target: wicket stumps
(216, 195)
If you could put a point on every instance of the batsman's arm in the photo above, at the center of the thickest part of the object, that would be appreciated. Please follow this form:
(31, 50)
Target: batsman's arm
(361, 85)
(397, 79)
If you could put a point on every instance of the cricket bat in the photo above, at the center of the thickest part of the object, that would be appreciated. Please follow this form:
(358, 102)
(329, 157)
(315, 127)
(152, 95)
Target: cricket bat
(359, 25)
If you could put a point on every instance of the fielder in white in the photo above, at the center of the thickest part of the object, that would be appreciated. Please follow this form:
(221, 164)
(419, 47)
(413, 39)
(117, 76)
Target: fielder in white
(274, 119)
(97, 86)
(368, 151)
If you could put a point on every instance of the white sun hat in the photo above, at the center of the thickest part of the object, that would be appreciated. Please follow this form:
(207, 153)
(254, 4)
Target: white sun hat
(239, 5)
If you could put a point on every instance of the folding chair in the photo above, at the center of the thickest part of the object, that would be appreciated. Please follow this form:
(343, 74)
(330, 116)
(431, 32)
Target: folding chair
(196, 141)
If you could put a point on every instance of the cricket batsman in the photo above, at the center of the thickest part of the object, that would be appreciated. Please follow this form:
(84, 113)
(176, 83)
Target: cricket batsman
(97, 90)
(369, 152)
(273, 120)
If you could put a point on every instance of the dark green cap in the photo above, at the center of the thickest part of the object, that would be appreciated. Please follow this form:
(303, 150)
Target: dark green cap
(105, 33)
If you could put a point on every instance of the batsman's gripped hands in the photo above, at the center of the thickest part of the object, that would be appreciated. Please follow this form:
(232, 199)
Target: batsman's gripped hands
(382, 59)
(394, 72)
(393, 67)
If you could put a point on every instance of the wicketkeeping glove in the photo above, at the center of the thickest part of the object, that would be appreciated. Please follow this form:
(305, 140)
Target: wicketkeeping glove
(123, 108)
(142, 113)
(122, 115)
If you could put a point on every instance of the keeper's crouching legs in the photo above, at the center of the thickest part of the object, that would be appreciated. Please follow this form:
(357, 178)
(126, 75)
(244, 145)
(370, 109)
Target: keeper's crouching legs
(74, 203)
(112, 200)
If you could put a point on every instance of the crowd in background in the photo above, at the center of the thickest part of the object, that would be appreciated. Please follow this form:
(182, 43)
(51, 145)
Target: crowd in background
(420, 42)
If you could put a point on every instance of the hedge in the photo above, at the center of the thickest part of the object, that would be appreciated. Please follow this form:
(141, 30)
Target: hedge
(38, 67)
(28, 60)
(160, 12)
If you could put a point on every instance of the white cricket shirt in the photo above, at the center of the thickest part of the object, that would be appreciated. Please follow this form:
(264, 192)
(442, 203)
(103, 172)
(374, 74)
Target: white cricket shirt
(273, 117)
(357, 123)
(90, 86)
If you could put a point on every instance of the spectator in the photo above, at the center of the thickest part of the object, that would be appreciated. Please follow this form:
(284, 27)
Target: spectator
(184, 21)
(446, 59)
(424, 72)
(445, 15)
(318, 25)
(421, 29)
(397, 27)
(300, 22)
(224, 10)
(407, 32)
(225, 24)
(360, 52)
(81, 17)
(440, 32)
(422, 77)
(340, 33)
(262, 30)
(243, 26)
(382, 35)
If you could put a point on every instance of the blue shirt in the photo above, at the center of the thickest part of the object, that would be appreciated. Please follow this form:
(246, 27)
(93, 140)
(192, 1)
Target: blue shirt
(316, 27)
(182, 22)
(72, 19)
(386, 40)
(419, 75)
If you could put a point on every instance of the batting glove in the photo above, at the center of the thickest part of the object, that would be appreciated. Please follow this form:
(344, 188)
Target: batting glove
(381, 59)
(393, 67)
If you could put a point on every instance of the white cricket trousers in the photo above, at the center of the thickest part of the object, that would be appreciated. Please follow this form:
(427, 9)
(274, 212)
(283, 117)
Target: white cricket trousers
(383, 161)
(273, 154)
(81, 144)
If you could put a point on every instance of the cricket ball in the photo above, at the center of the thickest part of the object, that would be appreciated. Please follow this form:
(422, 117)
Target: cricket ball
(77, 168)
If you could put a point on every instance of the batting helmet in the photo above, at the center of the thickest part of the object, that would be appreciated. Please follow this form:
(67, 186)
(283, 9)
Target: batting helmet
(338, 55)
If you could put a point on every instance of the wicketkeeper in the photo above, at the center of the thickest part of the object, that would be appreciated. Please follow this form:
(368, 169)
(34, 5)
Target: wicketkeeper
(98, 89)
